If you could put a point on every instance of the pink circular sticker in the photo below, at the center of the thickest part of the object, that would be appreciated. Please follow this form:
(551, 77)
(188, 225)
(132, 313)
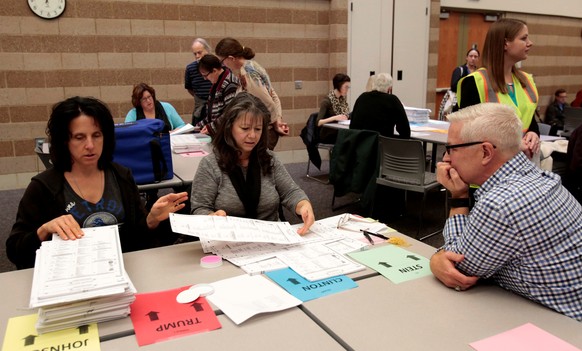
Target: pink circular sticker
(211, 261)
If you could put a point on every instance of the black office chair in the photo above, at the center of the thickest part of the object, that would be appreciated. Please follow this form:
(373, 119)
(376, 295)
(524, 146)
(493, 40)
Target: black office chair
(544, 128)
(402, 166)
(573, 119)
(310, 137)
(45, 158)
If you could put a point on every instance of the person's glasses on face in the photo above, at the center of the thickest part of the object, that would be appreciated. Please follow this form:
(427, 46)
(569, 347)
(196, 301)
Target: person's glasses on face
(205, 75)
(449, 147)
(222, 60)
(146, 98)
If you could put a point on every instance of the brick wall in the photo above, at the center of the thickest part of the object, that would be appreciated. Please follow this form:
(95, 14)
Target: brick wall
(101, 48)
(556, 57)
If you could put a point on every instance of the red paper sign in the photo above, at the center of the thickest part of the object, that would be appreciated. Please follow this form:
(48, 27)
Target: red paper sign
(158, 316)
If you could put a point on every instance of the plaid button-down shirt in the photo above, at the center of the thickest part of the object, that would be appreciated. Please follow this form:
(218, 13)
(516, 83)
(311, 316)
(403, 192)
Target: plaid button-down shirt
(525, 232)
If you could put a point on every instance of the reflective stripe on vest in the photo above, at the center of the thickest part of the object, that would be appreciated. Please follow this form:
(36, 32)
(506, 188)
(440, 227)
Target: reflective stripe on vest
(527, 97)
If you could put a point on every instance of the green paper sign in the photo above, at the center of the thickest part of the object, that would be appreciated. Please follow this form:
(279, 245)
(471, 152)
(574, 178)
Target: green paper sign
(395, 263)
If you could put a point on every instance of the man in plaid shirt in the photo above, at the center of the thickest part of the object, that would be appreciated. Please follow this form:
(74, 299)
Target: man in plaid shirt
(525, 229)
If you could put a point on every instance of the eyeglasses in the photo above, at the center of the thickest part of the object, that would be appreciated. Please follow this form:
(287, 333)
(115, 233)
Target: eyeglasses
(205, 75)
(224, 58)
(146, 98)
(449, 147)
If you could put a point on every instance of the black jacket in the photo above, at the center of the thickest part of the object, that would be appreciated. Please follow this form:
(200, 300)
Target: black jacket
(44, 200)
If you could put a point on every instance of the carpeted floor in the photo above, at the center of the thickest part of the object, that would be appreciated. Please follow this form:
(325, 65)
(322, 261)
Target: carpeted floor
(387, 203)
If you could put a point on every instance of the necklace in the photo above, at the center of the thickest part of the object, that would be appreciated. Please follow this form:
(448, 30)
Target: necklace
(79, 188)
(510, 87)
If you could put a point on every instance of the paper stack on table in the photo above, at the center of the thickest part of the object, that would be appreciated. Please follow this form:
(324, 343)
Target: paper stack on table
(317, 255)
(77, 282)
(182, 143)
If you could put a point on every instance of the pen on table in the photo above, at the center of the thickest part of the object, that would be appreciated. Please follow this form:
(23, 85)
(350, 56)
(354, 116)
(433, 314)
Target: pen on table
(375, 234)
(367, 235)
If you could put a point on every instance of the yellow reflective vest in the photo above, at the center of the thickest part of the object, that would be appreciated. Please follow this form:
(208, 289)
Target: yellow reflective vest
(527, 97)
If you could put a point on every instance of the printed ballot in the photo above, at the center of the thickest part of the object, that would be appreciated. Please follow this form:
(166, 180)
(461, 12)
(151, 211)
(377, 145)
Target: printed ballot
(232, 228)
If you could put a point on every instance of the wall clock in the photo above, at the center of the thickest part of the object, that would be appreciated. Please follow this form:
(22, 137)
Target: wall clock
(47, 9)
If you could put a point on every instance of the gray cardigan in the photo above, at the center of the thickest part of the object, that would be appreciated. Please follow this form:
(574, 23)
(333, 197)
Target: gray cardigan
(212, 190)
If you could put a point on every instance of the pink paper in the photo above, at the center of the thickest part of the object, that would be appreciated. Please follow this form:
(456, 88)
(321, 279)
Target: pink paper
(527, 337)
(198, 153)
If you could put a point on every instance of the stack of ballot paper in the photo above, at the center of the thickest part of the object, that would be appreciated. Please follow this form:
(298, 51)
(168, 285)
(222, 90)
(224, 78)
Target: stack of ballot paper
(183, 143)
(186, 128)
(77, 282)
(261, 246)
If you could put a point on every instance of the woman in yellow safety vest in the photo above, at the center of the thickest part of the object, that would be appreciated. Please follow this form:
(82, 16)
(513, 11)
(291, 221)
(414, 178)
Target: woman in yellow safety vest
(499, 80)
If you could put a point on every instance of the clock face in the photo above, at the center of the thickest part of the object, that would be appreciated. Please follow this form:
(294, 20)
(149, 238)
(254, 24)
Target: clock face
(47, 8)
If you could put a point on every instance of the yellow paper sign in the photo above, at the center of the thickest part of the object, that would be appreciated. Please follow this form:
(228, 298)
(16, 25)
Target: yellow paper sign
(21, 335)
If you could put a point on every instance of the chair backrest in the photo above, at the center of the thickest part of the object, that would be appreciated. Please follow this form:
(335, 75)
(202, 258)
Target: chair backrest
(353, 163)
(309, 133)
(573, 118)
(402, 160)
(544, 128)
(44, 157)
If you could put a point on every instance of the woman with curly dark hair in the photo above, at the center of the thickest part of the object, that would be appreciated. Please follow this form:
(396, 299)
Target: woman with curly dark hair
(85, 188)
(242, 177)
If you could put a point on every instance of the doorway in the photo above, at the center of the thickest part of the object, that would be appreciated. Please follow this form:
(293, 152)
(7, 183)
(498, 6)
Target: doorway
(458, 32)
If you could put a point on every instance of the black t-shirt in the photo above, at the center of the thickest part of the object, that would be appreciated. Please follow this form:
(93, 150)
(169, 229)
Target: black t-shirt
(107, 211)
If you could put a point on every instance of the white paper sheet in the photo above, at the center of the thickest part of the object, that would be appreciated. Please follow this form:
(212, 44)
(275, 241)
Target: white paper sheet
(244, 296)
(231, 228)
(260, 267)
(315, 262)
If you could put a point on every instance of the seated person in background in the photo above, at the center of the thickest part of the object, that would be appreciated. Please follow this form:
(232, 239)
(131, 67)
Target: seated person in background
(379, 110)
(241, 177)
(555, 111)
(223, 90)
(334, 107)
(573, 177)
(512, 234)
(85, 188)
(578, 100)
(145, 105)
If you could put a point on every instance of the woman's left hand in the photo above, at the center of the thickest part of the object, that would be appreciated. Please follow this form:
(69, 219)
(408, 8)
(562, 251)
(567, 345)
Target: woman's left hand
(164, 206)
(281, 127)
(305, 210)
(530, 144)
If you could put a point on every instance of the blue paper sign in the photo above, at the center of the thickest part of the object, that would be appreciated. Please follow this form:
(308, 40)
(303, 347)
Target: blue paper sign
(306, 290)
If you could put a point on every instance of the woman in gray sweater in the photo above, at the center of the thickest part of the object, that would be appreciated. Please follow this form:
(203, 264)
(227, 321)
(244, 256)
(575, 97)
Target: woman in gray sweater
(242, 177)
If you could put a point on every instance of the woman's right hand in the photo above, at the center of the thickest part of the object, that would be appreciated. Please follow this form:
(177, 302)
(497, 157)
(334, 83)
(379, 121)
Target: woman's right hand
(65, 226)
(338, 118)
(221, 213)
